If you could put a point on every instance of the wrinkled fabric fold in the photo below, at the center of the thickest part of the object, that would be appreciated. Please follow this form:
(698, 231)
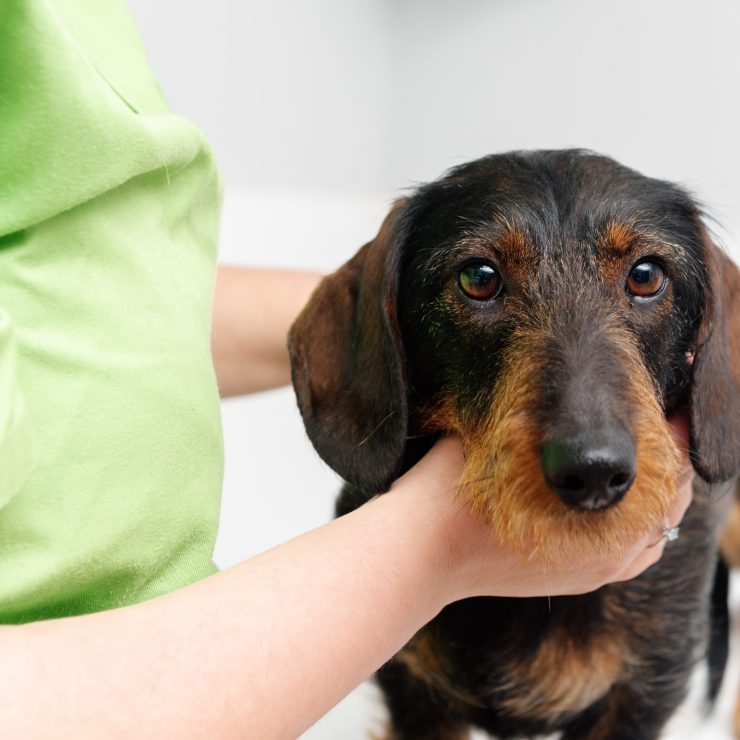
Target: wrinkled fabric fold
(111, 454)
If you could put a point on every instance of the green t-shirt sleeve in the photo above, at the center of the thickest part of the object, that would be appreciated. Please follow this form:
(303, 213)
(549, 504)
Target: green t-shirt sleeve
(109, 210)
(72, 79)
(15, 432)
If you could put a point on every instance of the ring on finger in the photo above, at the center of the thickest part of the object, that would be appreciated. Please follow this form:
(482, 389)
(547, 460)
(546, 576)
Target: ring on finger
(667, 534)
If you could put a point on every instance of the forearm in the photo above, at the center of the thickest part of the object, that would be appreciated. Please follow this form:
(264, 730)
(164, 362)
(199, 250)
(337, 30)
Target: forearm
(264, 649)
(252, 312)
(261, 650)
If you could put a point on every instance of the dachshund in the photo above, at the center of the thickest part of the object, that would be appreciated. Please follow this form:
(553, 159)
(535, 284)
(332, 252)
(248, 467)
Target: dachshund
(550, 308)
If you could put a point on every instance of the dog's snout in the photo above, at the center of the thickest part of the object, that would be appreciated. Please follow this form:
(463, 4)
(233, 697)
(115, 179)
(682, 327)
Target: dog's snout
(587, 473)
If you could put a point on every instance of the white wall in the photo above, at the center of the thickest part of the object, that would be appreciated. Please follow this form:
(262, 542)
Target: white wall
(369, 96)
(653, 83)
(292, 93)
(321, 110)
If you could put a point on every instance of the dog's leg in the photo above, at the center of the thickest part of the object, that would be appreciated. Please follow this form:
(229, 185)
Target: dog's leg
(414, 713)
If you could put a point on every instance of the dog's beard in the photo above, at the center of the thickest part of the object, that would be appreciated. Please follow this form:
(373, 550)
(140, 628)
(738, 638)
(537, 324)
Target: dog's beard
(503, 480)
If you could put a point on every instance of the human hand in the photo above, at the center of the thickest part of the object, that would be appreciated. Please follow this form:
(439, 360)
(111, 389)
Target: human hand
(477, 564)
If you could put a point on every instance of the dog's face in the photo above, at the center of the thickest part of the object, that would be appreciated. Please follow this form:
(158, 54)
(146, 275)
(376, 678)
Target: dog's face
(549, 307)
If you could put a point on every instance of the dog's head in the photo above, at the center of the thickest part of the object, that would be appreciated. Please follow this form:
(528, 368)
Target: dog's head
(550, 308)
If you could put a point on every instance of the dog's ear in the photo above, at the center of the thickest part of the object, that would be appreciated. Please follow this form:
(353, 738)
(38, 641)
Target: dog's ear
(347, 363)
(715, 391)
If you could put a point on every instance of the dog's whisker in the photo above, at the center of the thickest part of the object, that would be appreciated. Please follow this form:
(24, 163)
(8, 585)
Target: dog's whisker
(383, 421)
(475, 480)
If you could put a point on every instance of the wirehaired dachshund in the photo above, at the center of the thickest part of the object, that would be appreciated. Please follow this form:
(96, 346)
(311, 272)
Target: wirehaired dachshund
(550, 308)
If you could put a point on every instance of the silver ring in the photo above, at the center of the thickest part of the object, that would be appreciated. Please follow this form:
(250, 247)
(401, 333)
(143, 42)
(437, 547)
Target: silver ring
(667, 534)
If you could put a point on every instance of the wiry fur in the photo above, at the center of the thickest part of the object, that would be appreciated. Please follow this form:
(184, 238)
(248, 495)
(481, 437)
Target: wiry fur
(390, 352)
(502, 479)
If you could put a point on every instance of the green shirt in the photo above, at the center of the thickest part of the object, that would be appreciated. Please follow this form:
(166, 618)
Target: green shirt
(110, 437)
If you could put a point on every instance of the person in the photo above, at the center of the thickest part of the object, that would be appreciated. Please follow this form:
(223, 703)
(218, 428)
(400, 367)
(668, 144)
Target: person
(114, 619)
(268, 646)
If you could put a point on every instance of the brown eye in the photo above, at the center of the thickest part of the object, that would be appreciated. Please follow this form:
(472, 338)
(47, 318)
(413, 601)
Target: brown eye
(645, 280)
(479, 281)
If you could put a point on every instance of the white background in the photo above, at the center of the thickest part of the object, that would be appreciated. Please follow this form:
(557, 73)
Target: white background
(322, 111)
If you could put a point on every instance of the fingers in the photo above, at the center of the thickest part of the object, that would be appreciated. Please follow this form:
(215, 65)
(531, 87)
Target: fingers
(652, 547)
(648, 557)
(678, 423)
(680, 504)
(439, 472)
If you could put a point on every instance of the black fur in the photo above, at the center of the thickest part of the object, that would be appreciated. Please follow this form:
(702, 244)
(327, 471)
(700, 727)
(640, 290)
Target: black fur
(428, 340)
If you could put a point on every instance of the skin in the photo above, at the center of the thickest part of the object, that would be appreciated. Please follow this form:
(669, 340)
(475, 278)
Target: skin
(252, 312)
(255, 651)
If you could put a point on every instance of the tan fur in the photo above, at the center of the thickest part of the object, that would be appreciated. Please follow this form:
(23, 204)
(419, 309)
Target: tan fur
(503, 480)
(618, 238)
(729, 542)
(425, 659)
(440, 733)
(564, 678)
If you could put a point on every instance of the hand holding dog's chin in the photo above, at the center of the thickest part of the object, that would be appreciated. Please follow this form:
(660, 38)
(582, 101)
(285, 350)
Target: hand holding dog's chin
(472, 562)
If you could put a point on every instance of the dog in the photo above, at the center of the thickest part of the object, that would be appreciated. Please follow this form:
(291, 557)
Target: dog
(550, 308)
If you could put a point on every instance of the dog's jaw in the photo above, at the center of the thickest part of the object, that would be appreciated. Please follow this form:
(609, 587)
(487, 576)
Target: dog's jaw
(503, 480)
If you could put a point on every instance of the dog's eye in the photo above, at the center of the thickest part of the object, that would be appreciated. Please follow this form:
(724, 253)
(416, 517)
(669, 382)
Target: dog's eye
(646, 279)
(479, 281)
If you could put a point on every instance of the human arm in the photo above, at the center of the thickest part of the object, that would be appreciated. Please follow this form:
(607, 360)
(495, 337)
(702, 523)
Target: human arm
(267, 647)
(261, 650)
(253, 309)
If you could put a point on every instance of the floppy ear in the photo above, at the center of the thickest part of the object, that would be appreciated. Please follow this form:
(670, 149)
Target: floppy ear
(715, 390)
(347, 364)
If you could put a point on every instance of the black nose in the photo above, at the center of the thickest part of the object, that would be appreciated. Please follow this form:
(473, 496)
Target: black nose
(590, 474)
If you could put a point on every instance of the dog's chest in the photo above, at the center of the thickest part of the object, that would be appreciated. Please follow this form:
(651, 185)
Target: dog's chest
(561, 678)
(557, 671)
